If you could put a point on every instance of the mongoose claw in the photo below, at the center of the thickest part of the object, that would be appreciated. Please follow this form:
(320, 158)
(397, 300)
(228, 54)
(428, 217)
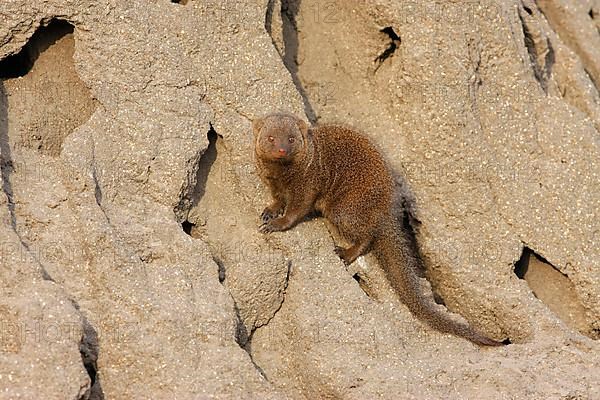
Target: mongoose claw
(274, 225)
(268, 227)
(268, 215)
(265, 227)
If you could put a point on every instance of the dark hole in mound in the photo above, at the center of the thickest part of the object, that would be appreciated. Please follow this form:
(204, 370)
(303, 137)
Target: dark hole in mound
(554, 289)
(182, 2)
(206, 162)
(528, 10)
(389, 51)
(391, 33)
(523, 263)
(49, 101)
(193, 194)
(187, 227)
(18, 65)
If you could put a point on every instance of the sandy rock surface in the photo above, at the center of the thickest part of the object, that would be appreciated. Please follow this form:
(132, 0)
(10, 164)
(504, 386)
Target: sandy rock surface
(130, 262)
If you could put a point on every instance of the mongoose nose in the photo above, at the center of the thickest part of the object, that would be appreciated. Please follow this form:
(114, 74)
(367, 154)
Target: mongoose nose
(282, 152)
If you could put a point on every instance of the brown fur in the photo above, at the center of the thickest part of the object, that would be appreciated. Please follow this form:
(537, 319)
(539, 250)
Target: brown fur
(339, 173)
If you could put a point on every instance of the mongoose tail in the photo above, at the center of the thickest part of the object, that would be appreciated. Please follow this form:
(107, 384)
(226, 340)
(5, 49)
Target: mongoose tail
(400, 266)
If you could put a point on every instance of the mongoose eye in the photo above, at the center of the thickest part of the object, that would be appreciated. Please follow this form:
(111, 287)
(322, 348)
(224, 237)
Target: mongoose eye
(271, 138)
(291, 140)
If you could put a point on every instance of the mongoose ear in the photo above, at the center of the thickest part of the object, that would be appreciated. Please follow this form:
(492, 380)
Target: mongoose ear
(257, 125)
(303, 126)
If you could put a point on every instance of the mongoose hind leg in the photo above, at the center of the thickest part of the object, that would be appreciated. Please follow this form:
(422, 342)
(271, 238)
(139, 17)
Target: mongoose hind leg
(345, 221)
(350, 254)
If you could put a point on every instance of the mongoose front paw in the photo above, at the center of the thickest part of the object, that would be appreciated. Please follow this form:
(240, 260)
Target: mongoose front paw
(268, 214)
(273, 225)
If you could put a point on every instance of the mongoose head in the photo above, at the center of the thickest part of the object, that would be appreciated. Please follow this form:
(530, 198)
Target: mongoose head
(280, 137)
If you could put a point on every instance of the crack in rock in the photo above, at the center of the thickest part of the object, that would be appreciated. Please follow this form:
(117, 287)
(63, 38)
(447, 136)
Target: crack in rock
(392, 46)
(247, 346)
(288, 49)
(539, 48)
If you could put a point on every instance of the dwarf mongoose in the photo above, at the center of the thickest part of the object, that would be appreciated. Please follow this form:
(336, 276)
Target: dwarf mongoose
(337, 172)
